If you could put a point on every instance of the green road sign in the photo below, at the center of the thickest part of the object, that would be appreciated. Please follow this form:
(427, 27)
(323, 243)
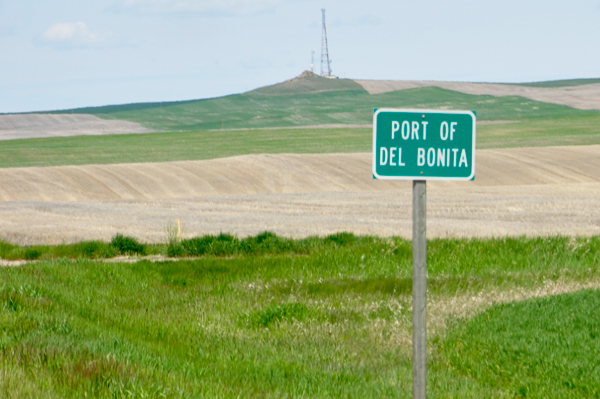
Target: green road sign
(412, 144)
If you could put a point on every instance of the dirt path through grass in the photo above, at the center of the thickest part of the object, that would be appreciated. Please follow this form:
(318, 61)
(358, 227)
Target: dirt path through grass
(440, 309)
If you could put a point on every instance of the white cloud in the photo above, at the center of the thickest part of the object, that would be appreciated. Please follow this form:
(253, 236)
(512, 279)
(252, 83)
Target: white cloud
(75, 35)
(223, 7)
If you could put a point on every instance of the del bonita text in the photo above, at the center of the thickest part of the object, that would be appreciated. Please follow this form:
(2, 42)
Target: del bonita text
(443, 157)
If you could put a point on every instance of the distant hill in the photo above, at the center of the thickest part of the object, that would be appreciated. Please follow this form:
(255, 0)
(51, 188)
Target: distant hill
(561, 83)
(306, 83)
(309, 100)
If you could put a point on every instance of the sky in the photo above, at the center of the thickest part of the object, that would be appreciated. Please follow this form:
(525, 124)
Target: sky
(76, 53)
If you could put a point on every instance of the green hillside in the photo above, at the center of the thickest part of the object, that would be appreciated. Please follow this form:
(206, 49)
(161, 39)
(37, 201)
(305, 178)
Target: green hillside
(562, 83)
(313, 100)
(198, 145)
(206, 129)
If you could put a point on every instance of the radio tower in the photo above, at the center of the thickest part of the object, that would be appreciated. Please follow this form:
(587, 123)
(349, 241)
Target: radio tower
(325, 62)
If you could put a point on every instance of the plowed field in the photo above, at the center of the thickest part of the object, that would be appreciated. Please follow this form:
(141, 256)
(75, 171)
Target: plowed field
(532, 191)
(27, 126)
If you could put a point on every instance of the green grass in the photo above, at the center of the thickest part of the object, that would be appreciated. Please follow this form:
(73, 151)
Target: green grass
(584, 130)
(335, 107)
(561, 83)
(208, 245)
(542, 348)
(318, 101)
(320, 317)
(119, 245)
(180, 146)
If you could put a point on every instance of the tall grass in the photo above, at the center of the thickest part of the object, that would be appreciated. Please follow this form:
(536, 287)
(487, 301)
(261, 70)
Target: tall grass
(119, 245)
(447, 256)
(266, 316)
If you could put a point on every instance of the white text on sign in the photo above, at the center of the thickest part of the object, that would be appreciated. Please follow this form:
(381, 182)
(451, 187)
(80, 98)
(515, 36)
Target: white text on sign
(441, 157)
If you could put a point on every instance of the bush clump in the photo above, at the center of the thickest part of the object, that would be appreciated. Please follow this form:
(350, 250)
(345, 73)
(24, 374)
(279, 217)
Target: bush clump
(127, 245)
(228, 245)
(175, 249)
(267, 242)
(32, 253)
(342, 239)
(221, 245)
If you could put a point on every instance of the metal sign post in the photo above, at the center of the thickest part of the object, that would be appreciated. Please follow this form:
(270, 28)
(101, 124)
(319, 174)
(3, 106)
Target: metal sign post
(419, 294)
(421, 145)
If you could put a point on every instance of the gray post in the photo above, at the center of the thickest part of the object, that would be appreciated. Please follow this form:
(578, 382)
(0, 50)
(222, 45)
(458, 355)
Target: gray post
(419, 290)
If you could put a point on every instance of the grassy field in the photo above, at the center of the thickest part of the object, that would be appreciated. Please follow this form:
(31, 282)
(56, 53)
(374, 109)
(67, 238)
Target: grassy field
(318, 101)
(320, 317)
(254, 123)
(543, 348)
(119, 245)
(562, 83)
(584, 130)
(179, 146)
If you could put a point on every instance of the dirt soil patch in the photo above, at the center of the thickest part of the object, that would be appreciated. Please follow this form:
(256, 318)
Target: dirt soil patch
(524, 191)
(27, 126)
(469, 211)
(283, 173)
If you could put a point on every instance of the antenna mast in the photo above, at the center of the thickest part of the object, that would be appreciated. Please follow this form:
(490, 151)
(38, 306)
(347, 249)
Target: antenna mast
(312, 62)
(325, 62)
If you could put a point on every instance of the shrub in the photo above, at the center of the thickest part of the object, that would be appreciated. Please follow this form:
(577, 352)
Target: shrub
(223, 244)
(127, 245)
(32, 253)
(175, 249)
(342, 239)
(266, 242)
(198, 246)
(6, 248)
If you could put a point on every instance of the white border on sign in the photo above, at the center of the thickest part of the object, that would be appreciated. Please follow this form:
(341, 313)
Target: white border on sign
(437, 111)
